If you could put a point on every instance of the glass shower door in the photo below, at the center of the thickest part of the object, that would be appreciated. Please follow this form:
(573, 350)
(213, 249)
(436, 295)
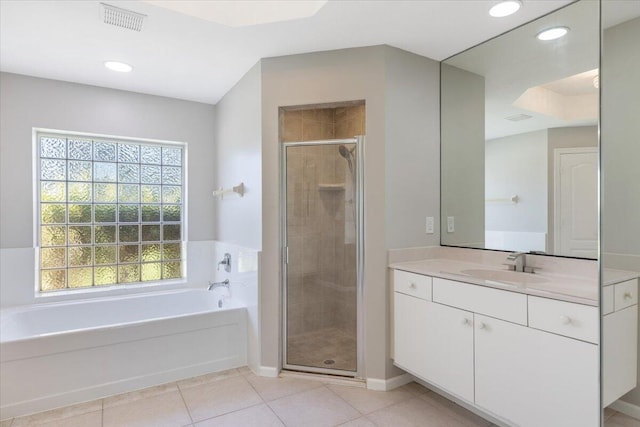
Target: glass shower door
(321, 234)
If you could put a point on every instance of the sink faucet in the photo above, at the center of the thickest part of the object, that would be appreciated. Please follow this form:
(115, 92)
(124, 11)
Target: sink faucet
(516, 261)
(213, 285)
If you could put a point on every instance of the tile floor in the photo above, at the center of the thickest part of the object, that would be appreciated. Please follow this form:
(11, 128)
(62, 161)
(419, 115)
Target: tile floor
(239, 398)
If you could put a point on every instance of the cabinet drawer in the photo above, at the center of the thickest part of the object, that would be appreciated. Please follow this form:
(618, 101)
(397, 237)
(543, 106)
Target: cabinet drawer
(607, 299)
(625, 294)
(564, 318)
(496, 303)
(412, 284)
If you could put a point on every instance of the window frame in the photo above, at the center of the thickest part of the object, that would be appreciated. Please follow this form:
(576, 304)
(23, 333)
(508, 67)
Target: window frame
(116, 288)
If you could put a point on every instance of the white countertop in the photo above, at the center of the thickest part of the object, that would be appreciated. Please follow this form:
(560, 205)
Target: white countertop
(611, 276)
(581, 290)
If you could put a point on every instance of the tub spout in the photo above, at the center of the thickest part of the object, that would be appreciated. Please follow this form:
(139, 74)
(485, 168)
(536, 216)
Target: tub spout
(214, 285)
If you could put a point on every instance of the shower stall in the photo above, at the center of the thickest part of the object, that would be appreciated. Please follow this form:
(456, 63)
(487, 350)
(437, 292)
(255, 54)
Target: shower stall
(322, 256)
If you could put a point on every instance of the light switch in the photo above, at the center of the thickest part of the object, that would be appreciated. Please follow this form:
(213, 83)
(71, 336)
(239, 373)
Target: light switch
(450, 225)
(429, 225)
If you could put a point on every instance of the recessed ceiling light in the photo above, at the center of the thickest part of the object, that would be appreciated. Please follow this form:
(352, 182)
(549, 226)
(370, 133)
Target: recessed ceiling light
(120, 67)
(505, 8)
(552, 33)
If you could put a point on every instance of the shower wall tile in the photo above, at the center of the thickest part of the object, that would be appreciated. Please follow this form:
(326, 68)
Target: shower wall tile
(350, 121)
(292, 126)
(313, 131)
(324, 115)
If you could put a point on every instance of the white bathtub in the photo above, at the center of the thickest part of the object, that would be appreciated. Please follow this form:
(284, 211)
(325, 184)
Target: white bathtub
(57, 354)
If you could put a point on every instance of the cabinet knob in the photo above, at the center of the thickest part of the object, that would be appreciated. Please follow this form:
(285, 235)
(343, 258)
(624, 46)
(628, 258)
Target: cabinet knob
(565, 320)
(482, 325)
(412, 285)
(627, 295)
(466, 321)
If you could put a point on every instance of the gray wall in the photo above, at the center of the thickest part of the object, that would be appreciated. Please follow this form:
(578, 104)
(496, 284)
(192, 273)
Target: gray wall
(412, 149)
(238, 159)
(462, 156)
(567, 137)
(29, 102)
(620, 150)
(346, 75)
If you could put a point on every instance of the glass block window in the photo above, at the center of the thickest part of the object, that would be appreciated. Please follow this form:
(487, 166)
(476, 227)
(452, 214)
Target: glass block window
(111, 211)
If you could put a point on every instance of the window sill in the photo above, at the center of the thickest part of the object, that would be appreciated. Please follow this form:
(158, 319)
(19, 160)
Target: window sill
(109, 291)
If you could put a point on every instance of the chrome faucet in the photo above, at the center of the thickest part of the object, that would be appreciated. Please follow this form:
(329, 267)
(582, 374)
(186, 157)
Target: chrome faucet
(516, 261)
(226, 261)
(214, 285)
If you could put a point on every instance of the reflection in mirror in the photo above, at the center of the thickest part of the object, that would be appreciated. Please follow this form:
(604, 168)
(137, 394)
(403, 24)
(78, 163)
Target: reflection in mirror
(620, 209)
(519, 139)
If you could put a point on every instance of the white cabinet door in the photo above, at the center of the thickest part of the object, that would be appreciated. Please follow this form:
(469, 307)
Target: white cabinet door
(410, 318)
(449, 351)
(534, 378)
(620, 358)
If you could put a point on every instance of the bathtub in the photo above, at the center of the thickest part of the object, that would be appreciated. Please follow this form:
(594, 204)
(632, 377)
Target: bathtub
(57, 354)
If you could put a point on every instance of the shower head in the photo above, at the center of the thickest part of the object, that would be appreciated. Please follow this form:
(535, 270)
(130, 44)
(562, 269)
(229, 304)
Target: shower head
(348, 156)
(345, 152)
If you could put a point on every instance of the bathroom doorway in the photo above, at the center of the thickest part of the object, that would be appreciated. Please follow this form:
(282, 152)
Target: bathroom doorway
(322, 255)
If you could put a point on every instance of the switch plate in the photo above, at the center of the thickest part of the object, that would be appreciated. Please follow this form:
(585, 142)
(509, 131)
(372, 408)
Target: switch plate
(429, 225)
(450, 225)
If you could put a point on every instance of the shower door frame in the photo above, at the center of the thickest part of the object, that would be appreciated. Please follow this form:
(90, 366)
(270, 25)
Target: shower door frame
(359, 218)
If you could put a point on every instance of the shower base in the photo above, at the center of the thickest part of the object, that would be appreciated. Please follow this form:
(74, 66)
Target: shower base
(315, 348)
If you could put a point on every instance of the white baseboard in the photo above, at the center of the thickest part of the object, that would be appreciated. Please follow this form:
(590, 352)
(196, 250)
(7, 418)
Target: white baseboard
(389, 384)
(626, 408)
(267, 371)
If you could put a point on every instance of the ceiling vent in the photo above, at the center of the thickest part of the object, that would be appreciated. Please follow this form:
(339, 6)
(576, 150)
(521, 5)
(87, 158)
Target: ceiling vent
(518, 117)
(122, 18)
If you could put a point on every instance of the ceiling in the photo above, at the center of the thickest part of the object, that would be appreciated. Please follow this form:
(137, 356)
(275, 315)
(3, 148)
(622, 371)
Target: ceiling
(182, 56)
(185, 57)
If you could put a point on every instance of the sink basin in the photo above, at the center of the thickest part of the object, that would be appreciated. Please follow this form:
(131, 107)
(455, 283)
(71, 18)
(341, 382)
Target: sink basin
(506, 276)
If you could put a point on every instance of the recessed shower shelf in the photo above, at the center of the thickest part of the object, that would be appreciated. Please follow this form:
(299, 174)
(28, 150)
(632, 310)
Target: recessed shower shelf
(331, 187)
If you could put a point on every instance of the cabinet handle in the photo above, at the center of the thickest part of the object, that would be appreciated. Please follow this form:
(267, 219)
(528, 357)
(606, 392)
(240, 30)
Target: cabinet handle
(565, 320)
(466, 321)
(412, 285)
(627, 295)
(482, 325)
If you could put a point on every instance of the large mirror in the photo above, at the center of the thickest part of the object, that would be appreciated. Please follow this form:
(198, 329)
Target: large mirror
(520, 139)
(620, 205)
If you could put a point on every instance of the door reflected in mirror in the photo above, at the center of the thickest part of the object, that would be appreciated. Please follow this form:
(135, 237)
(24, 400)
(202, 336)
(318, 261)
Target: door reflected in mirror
(520, 139)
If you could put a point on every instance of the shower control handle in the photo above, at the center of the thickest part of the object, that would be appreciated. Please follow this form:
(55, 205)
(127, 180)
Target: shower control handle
(226, 262)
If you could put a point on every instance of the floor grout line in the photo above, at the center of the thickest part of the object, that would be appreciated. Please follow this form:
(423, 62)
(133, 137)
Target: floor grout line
(184, 401)
(341, 398)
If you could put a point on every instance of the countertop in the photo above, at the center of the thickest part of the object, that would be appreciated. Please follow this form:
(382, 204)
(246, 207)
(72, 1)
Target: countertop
(581, 290)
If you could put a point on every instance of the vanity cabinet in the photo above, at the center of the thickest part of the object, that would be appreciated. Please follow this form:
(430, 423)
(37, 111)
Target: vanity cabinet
(620, 363)
(477, 343)
(534, 378)
(432, 340)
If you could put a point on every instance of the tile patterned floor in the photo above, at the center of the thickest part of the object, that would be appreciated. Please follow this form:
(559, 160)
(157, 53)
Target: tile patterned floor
(239, 398)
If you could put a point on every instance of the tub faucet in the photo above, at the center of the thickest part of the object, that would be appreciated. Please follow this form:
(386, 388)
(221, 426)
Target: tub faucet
(516, 261)
(214, 285)
(226, 261)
